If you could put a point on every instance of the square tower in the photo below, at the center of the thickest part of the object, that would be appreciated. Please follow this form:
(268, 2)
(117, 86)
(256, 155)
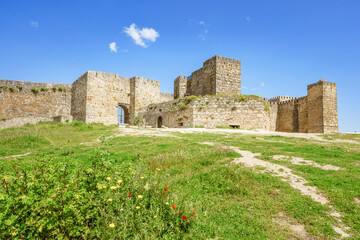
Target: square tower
(322, 107)
(219, 75)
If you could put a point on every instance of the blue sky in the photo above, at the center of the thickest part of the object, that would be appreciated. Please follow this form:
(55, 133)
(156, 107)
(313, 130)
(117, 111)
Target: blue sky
(283, 45)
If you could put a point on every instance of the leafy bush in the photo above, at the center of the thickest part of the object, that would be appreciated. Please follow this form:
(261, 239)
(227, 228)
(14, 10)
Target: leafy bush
(60, 89)
(54, 89)
(182, 105)
(34, 90)
(104, 198)
(11, 89)
(43, 89)
(19, 87)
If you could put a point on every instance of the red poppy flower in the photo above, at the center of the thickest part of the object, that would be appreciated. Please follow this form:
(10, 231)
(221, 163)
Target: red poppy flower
(129, 194)
(65, 183)
(194, 212)
(173, 206)
(165, 164)
(166, 188)
(162, 193)
(180, 211)
(184, 218)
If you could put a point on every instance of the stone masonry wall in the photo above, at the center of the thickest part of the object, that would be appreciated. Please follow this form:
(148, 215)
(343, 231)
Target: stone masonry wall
(79, 98)
(203, 80)
(210, 112)
(286, 117)
(301, 107)
(17, 99)
(330, 108)
(228, 76)
(315, 109)
(104, 93)
(180, 86)
(143, 92)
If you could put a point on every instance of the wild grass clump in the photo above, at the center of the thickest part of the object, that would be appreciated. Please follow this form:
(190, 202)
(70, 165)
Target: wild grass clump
(103, 198)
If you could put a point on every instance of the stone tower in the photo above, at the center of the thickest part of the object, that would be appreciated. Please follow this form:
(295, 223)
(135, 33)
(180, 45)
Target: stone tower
(322, 107)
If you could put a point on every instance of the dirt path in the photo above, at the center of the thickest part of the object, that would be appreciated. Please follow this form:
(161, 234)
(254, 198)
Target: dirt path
(14, 156)
(312, 136)
(301, 161)
(286, 175)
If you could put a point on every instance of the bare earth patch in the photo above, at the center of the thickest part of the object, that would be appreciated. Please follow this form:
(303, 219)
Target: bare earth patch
(301, 161)
(286, 175)
(298, 228)
(357, 200)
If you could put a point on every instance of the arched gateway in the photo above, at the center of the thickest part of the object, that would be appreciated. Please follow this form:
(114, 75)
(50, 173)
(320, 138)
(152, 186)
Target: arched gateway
(123, 113)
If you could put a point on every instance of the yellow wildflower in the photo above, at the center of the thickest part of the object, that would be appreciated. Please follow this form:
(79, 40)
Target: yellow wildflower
(140, 196)
(112, 187)
(129, 168)
(132, 173)
(119, 181)
(144, 205)
(158, 169)
(155, 216)
(104, 186)
(108, 178)
(142, 177)
(116, 173)
(167, 203)
(111, 225)
(109, 200)
(137, 207)
(117, 186)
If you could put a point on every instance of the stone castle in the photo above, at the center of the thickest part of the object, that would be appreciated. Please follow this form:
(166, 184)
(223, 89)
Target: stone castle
(210, 97)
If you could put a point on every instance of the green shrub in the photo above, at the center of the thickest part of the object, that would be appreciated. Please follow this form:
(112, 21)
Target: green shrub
(190, 99)
(11, 89)
(54, 89)
(60, 89)
(34, 90)
(19, 87)
(43, 89)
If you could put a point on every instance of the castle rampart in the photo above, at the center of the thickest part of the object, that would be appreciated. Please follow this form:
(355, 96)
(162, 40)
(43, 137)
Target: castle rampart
(210, 97)
(21, 98)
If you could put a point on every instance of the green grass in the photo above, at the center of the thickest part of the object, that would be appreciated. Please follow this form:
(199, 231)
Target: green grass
(220, 200)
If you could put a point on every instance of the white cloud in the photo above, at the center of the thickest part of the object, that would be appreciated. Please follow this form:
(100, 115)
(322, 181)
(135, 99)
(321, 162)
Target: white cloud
(140, 35)
(202, 22)
(202, 37)
(34, 23)
(262, 84)
(113, 47)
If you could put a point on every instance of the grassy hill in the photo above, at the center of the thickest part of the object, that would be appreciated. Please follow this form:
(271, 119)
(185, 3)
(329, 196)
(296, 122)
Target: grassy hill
(101, 182)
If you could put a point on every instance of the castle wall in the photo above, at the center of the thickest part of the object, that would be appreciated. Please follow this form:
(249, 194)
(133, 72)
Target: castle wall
(79, 98)
(301, 107)
(104, 93)
(286, 117)
(47, 103)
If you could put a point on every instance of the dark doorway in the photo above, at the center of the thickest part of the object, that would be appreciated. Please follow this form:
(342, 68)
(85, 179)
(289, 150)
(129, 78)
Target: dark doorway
(123, 115)
(159, 122)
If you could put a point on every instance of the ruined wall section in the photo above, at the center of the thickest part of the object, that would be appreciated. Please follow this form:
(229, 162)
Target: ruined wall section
(202, 81)
(180, 85)
(104, 93)
(79, 97)
(166, 97)
(22, 99)
(210, 112)
(228, 76)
